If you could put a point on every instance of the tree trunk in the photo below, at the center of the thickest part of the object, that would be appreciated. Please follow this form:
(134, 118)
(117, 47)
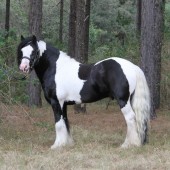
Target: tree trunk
(7, 18)
(138, 16)
(80, 43)
(61, 21)
(80, 31)
(79, 20)
(72, 29)
(82, 38)
(35, 28)
(34, 90)
(86, 31)
(79, 35)
(151, 44)
(35, 17)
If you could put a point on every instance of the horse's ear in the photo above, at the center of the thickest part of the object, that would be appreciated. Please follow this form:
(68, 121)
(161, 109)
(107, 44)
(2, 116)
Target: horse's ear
(34, 39)
(22, 38)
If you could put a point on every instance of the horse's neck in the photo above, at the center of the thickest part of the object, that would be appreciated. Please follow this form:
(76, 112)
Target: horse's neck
(65, 60)
(44, 63)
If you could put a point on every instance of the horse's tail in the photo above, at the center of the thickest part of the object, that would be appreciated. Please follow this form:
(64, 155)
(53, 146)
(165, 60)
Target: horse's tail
(141, 105)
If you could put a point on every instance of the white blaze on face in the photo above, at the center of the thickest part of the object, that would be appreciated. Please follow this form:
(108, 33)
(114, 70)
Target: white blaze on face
(26, 52)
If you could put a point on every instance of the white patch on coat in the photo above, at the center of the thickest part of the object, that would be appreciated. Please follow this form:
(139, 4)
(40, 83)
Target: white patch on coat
(128, 70)
(68, 84)
(26, 52)
(104, 60)
(62, 136)
(42, 47)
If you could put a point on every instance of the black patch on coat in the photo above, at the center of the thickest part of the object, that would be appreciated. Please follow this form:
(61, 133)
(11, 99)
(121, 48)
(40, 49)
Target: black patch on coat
(84, 71)
(106, 79)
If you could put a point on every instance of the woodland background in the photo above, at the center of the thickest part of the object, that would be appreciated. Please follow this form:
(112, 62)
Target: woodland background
(27, 131)
(112, 32)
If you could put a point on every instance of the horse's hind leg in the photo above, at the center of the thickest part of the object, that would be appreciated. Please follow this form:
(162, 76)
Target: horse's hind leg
(132, 137)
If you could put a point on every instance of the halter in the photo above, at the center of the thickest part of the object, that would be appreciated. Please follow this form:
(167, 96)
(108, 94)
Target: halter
(34, 60)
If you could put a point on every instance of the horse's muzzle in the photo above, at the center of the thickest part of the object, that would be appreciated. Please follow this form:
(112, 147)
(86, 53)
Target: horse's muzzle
(24, 68)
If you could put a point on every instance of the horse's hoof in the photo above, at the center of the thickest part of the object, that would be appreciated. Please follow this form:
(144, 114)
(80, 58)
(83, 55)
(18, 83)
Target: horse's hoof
(127, 145)
(59, 145)
(54, 147)
(124, 146)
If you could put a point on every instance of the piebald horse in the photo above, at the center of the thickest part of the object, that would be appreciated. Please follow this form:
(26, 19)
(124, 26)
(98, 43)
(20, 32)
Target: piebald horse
(66, 81)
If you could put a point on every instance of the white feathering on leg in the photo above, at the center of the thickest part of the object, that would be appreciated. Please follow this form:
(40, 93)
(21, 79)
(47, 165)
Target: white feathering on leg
(62, 136)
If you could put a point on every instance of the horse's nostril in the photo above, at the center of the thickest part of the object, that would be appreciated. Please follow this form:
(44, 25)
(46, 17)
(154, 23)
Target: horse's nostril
(24, 68)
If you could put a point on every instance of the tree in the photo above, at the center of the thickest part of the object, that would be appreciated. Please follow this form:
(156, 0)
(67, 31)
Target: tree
(79, 20)
(79, 34)
(7, 18)
(80, 31)
(151, 42)
(72, 28)
(138, 16)
(35, 28)
(82, 37)
(61, 21)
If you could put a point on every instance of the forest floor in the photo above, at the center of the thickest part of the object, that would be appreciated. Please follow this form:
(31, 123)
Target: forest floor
(27, 134)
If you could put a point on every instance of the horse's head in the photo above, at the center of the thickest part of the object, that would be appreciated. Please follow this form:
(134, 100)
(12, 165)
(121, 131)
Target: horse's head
(28, 53)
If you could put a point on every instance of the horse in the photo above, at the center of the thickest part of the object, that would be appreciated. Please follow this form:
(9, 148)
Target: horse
(66, 81)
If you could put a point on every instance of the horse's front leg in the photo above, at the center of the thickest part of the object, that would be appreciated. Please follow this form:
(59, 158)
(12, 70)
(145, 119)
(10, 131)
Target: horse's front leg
(61, 125)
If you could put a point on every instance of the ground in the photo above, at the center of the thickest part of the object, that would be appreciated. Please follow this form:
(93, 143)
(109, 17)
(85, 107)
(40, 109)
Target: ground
(27, 134)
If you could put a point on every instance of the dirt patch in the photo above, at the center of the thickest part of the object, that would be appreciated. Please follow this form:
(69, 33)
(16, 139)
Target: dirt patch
(100, 119)
(97, 118)
(26, 135)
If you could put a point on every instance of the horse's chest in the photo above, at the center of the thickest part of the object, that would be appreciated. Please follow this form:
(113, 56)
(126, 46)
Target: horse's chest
(68, 84)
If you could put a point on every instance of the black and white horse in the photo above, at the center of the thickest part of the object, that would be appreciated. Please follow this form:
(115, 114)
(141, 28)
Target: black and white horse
(66, 81)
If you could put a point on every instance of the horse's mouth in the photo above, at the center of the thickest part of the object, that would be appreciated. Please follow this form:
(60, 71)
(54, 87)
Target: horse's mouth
(26, 71)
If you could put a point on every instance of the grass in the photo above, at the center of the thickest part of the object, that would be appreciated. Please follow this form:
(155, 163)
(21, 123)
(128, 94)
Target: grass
(25, 140)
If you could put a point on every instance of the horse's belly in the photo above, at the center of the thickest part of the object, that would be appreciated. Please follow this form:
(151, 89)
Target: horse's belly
(91, 94)
(66, 95)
